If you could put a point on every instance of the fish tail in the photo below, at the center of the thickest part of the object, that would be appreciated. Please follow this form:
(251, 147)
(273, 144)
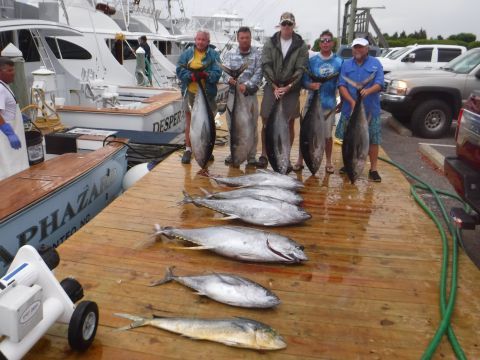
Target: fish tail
(168, 277)
(359, 86)
(161, 232)
(355, 84)
(137, 321)
(187, 199)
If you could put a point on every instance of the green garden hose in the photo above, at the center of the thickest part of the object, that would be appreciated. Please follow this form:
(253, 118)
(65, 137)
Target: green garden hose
(446, 309)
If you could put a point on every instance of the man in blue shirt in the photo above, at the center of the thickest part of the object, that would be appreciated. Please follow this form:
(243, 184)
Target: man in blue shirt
(323, 64)
(359, 68)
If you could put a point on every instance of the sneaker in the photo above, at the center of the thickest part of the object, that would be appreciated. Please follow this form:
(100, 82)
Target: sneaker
(342, 170)
(374, 176)
(262, 162)
(187, 156)
(228, 160)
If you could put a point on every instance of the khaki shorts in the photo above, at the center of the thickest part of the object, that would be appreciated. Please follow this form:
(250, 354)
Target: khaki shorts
(291, 102)
(189, 98)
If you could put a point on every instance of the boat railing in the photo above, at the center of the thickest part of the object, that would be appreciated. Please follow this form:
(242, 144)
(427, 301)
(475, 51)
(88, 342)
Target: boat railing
(7, 9)
(42, 51)
(64, 9)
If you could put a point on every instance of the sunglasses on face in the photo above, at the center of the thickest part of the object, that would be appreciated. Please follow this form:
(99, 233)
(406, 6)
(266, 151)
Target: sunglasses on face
(326, 40)
(286, 23)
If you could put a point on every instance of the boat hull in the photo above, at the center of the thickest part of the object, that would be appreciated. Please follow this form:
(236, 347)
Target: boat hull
(49, 221)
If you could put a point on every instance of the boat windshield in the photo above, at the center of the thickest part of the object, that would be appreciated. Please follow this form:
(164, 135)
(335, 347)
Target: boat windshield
(464, 63)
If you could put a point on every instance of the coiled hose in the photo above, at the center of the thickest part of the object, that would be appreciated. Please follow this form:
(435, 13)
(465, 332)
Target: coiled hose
(446, 308)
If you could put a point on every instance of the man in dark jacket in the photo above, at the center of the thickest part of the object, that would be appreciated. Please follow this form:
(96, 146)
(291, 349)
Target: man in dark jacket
(284, 57)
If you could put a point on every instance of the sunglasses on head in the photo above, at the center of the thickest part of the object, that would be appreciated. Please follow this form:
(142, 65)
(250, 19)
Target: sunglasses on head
(326, 40)
(286, 23)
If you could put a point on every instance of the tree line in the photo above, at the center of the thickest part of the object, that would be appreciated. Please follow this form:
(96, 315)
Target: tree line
(468, 40)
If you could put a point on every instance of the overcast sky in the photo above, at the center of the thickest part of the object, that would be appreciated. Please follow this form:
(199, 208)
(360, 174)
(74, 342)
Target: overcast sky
(312, 16)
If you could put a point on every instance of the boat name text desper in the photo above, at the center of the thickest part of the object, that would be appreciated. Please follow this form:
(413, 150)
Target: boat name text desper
(168, 122)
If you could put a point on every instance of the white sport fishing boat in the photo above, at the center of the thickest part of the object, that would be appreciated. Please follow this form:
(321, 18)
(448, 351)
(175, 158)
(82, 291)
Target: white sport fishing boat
(82, 84)
(46, 203)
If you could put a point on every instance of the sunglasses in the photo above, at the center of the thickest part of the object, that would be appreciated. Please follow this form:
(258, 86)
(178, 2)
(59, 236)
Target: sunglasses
(326, 40)
(286, 23)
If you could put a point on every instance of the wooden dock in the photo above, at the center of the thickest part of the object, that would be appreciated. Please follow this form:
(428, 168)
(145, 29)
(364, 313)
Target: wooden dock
(369, 290)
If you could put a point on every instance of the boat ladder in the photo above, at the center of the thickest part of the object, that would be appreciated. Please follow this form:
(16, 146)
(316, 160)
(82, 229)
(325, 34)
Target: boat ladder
(157, 74)
(44, 56)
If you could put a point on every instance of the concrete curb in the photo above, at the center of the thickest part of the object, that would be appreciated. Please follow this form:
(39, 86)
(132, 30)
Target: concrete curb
(432, 154)
(398, 127)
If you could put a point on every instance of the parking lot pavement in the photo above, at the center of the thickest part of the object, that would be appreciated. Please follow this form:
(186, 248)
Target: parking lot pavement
(406, 151)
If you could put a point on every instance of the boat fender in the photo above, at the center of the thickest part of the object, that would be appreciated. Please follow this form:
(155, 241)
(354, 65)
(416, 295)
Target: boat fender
(136, 173)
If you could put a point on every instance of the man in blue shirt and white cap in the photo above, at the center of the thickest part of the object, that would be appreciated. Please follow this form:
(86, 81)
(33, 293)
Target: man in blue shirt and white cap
(358, 69)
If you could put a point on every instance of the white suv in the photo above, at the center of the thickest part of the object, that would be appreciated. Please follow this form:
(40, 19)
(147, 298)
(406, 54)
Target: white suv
(421, 57)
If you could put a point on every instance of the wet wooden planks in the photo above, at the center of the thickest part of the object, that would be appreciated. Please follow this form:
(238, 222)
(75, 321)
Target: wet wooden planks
(370, 289)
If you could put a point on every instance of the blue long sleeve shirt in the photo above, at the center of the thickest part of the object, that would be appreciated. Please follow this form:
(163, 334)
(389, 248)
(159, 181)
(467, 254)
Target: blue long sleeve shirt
(360, 73)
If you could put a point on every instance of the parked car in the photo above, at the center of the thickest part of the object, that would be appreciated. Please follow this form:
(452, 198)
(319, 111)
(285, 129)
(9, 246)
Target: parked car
(421, 57)
(463, 170)
(429, 98)
(345, 51)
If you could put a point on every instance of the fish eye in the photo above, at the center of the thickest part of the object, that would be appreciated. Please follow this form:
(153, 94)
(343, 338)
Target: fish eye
(301, 247)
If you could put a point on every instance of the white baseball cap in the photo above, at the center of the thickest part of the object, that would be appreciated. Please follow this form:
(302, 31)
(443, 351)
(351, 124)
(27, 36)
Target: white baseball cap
(360, 41)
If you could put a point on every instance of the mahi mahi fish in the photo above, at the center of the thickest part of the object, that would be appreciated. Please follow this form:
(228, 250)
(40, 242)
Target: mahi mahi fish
(226, 288)
(242, 127)
(355, 144)
(313, 131)
(256, 192)
(239, 243)
(261, 178)
(264, 211)
(238, 332)
(202, 128)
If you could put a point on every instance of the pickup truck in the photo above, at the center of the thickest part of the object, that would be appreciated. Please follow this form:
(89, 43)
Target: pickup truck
(429, 98)
(421, 57)
(463, 170)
